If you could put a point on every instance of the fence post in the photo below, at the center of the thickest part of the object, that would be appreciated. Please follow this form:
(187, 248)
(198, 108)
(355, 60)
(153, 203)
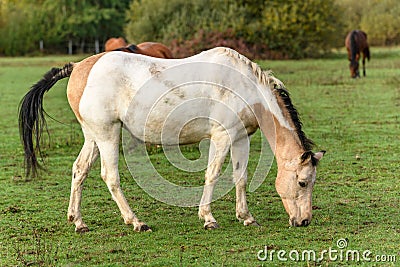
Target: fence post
(70, 47)
(97, 46)
(41, 45)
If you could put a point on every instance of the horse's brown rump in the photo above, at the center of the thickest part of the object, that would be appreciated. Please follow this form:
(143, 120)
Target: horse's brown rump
(152, 49)
(114, 43)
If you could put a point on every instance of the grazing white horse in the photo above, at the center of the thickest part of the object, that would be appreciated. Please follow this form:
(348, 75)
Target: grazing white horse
(105, 92)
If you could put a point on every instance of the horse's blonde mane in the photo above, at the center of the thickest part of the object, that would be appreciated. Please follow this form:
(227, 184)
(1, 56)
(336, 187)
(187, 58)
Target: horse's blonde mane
(282, 95)
(264, 77)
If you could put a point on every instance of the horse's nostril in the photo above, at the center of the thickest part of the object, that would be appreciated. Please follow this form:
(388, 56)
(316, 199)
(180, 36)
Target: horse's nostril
(295, 223)
(305, 222)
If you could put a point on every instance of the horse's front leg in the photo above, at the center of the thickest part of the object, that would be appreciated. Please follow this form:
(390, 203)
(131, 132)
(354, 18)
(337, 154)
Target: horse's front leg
(219, 147)
(88, 155)
(240, 155)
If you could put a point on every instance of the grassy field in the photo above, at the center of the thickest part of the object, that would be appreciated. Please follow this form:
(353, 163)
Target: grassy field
(356, 198)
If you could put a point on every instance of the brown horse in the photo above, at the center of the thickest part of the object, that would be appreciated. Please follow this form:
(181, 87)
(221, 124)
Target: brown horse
(114, 43)
(356, 43)
(147, 48)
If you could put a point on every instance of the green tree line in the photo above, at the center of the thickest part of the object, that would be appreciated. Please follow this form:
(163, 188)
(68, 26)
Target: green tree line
(24, 23)
(257, 28)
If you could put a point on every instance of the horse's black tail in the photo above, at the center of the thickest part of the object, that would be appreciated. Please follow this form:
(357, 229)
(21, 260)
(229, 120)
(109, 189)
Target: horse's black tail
(367, 53)
(31, 116)
(366, 49)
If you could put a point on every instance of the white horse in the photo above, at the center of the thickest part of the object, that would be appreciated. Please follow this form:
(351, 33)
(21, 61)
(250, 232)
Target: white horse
(234, 98)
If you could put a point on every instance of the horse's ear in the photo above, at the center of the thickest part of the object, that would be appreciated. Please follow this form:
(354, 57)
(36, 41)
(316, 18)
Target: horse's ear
(318, 156)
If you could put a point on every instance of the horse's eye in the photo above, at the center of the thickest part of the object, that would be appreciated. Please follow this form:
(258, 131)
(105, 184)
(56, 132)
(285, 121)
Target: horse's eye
(302, 184)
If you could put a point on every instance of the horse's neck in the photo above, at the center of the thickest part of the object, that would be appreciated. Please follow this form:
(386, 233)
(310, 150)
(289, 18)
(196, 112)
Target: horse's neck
(283, 141)
(287, 143)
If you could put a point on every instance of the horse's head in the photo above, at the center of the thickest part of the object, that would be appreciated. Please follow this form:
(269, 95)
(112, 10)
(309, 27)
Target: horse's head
(354, 69)
(294, 183)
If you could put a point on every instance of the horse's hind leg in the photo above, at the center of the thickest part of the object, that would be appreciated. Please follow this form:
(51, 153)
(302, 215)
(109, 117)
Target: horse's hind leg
(109, 154)
(239, 156)
(88, 155)
(363, 62)
(219, 147)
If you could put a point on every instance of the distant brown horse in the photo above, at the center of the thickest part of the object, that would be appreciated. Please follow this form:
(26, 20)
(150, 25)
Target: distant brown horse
(356, 43)
(114, 43)
(147, 48)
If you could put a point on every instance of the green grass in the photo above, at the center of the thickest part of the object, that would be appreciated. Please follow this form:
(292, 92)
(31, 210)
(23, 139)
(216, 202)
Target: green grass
(357, 194)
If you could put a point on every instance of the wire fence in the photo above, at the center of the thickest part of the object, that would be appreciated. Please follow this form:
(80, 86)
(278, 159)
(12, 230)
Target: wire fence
(72, 47)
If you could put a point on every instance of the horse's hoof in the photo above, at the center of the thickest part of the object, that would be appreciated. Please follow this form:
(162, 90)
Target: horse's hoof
(254, 224)
(82, 230)
(211, 226)
(143, 228)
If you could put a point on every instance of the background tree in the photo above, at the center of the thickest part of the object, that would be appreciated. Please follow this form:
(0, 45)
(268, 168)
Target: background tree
(16, 27)
(353, 11)
(256, 28)
(25, 23)
(378, 18)
(261, 28)
(381, 20)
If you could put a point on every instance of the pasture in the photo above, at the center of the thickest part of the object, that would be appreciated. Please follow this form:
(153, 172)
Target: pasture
(356, 199)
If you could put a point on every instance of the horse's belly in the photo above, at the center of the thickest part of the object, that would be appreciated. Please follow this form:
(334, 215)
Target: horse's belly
(171, 123)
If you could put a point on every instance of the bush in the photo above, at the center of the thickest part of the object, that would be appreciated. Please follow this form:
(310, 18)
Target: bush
(382, 22)
(24, 23)
(16, 28)
(378, 18)
(262, 29)
(302, 28)
(186, 26)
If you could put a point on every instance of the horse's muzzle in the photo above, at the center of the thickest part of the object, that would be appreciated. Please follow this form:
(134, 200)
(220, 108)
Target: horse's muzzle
(295, 223)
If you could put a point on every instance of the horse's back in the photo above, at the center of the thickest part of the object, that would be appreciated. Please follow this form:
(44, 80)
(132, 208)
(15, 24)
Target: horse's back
(360, 37)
